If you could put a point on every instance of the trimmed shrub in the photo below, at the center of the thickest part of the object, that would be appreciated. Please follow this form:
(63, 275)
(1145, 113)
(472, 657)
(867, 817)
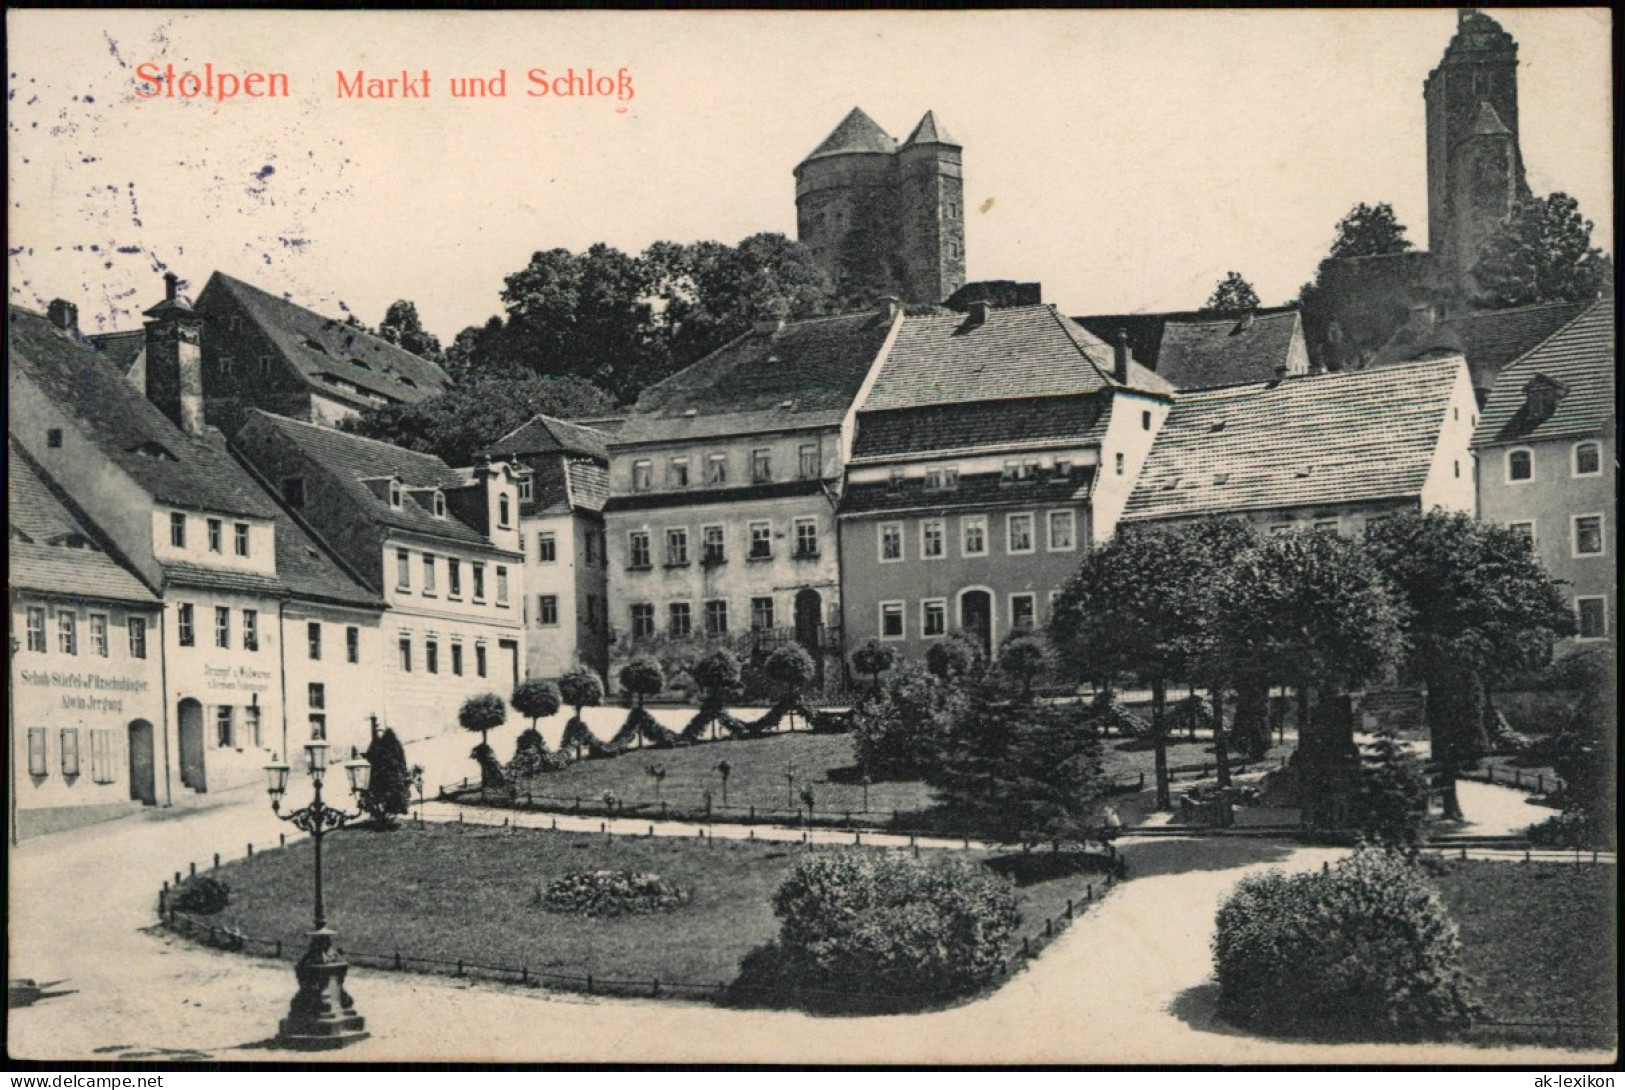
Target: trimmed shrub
(531, 757)
(889, 924)
(535, 699)
(389, 789)
(204, 895)
(872, 659)
(581, 688)
(955, 657)
(612, 893)
(1366, 949)
(643, 677)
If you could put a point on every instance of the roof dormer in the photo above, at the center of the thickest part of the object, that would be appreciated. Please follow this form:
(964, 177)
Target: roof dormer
(1540, 397)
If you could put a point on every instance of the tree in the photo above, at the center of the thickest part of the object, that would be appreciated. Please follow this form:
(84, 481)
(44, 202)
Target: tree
(484, 713)
(457, 424)
(389, 788)
(401, 326)
(1541, 253)
(1581, 745)
(717, 675)
(535, 699)
(1232, 297)
(580, 688)
(1369, 230)
(1393, 796)
(899, 732)
(874, 658)
(643, 676)
(792, 669)
(1479, 604)
(1024, 657)
(956, 657)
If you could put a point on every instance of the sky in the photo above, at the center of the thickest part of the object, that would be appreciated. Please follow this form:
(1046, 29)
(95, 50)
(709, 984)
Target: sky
(1126, 160)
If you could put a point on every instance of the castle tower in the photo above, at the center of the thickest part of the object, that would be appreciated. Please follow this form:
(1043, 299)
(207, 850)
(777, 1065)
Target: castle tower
(883, 220)
(1474, 165)
(175, 359)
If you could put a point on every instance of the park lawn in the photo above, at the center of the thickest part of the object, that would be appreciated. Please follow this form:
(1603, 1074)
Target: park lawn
(1542, 941)
(469, 892)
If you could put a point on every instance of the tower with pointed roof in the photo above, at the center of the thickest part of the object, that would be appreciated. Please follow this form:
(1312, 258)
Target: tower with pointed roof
(884, 218)
(1475, 168)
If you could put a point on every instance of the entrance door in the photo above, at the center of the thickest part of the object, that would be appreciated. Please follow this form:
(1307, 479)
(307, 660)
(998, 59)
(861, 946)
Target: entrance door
(809, 619)
(143, 774)
(976, 617)
(512, 649)
(189, 717)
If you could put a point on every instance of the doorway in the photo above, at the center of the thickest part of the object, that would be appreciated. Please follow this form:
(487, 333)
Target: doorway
(189, 716)
(976, 617)
(143, 767)
(809, 619)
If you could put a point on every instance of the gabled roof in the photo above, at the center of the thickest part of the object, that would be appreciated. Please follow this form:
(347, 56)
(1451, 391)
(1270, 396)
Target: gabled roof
(975, 491)
(963, 427)
(1145, 331)
(1227, 351)
(173, 467)
(546, 434)
(317, 346)
(123, 347)
(352, 459)
(930, 131)
(1340, 438)
(1016, 352)
(858, 133)
(1490, 339)
(804, 375)
(1579, 356)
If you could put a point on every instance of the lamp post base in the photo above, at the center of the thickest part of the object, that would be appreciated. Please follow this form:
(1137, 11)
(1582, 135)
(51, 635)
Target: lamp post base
(322, 1015)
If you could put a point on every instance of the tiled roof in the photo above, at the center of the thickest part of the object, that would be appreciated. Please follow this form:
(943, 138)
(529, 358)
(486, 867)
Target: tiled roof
(33, 511)
(777, 490)
(1580, 356)
(1228, 351)
(76, 573)
(930, 131)
(857, 132)
(960, 427)
(183, 573)
(123, 347)
(173, 467)
(1490, 340)
(975, 491)
(319, 346)
(541, 434)
(589, 484)
(351, 459)
(1017, 352)
(804, 375)
(1145, 331)
(1346, 437)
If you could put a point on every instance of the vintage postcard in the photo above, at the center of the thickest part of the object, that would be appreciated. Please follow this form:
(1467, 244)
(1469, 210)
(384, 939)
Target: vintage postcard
(792, 538)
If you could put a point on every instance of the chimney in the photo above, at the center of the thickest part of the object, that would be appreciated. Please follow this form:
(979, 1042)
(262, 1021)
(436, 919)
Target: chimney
(976, 314)
(175, 359)
(1245, 323)
(1120, 358)
(1422, 314)
(890, 307)
(65, 316)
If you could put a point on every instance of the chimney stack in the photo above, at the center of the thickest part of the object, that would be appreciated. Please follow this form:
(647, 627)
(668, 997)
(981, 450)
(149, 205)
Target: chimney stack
(890, 307)
(1120, 358)
(977, 311)
(65, 316)
(175, 359)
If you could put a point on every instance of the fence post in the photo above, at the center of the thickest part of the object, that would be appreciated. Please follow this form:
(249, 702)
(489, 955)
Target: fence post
(1525, 855)
(1540, 782)
(251, 850)
(216, 861)
(524, 974)
(651, 830)
(1069, 908)
(1464, 852)
(1089, 892)
(589, 983)
(282, 840)
(657, 986)
(397, 959)
(1049, 928)
(177, 878)
(194, 869)
(459, 966)
(753, 813)
(278, 947)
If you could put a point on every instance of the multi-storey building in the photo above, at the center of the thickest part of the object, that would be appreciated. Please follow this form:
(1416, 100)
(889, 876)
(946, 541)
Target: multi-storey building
(993, 448)
(1547, 468)
(723, 483)
(440, 545)
(561, 523)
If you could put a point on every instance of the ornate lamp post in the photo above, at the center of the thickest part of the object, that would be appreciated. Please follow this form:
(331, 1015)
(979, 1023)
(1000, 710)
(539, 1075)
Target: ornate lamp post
(322, 1015)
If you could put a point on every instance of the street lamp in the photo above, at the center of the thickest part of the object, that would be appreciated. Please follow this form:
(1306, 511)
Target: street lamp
(322, 1015)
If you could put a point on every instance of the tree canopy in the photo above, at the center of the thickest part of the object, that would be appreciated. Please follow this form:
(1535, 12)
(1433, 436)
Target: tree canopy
(1541, 253)
(1369, 230)
(1232, 297)
(402, 326)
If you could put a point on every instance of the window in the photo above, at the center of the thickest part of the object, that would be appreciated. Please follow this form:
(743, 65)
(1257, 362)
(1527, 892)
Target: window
(1145, 420)
(681, 620)
(479, 581)
(677, 473)
(223, 727)
(807, 538)
(1062, 531)
(973, 535)
(1525, 530)
(547, 609)
(716, 546)
(637, 549)
(1592, 618)
(590, 540)
(457, 659)
(933, 480)
(504, 509)
(643, 620)
(761, 540)
(1587, 459)
(761, 613)
(403, 570)
(225, 364)
(1023, 612)
(36, 628)
(642, 475)
(932, 536)
(454, 577)
(527, 490)
(53, 438)
(431, 656)
(177, 529)
(36, 752)
(1588, 535)
(394, 493)
(479, 659)
(318, 711)
(677, 547)
(716, 469)
(1118, 462)
(438, 506)
(502, 585)
(101, 756)
(406, 654)
(184, 631)
(761, 465)
(352, 644)
(70, 752)
(313, 636)
(293, 491)
(895, 479)
(891, 621)
(98, 635)
(808, 466)
(222, 626)
(933, 617)
(1456, 468)
(428, 573)
(1520, 465)
(251, 630)
(239, 534)
(251, 726)
(1020, 469)
(547, 549)
(1019, 531)
(138, 637)
(891, 542)
(593, 615)
(67, 632)
(1327, 526)
(716, 618)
